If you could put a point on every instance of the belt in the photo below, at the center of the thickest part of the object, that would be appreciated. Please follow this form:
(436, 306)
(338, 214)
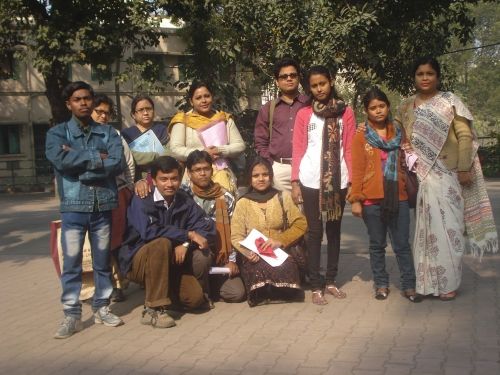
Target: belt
(283, 160)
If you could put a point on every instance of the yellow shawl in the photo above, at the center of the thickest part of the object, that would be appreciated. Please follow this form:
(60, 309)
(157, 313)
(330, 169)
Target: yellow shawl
(196, 121)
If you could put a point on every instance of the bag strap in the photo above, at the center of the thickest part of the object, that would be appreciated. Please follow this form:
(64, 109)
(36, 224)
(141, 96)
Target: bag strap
(285, 219)
(272, 106)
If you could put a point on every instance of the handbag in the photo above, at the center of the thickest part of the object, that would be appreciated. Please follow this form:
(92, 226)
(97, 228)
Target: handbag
(298, 250)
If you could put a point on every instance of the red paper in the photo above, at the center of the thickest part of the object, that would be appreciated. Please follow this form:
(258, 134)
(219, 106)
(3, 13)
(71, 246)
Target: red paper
(264, 250)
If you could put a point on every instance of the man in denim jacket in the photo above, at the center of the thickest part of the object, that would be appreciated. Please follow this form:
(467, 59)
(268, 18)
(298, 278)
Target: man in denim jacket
(86, 157)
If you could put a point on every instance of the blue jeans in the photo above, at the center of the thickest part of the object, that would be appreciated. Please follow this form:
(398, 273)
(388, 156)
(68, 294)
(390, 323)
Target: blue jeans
(74, 226)
(399, 231)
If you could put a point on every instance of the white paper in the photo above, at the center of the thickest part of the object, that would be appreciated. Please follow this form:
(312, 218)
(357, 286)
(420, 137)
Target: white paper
(219, 271)
(215, 135)
(147, 142)
(249, 243)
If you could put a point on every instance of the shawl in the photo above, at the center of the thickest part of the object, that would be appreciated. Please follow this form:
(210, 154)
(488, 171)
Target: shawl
(222, 224)
(195, 121)
(390, 203)
(432, 123)
(261, 197)
(329, 195)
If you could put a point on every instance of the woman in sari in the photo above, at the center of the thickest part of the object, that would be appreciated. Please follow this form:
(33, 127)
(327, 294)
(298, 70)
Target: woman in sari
(143, 113)
(264, 208)
(185, 135)
(453, 212)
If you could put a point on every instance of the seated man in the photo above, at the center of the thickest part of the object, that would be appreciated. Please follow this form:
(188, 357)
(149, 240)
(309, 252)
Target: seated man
(218, 204)
(166, 245)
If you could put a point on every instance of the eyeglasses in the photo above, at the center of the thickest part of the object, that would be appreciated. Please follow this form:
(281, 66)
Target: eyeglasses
(201, 170)
(145, 109)
(286, 76)
(100, 112)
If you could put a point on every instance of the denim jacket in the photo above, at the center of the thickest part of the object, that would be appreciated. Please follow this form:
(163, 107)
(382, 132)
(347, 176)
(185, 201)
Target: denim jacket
(86, 183)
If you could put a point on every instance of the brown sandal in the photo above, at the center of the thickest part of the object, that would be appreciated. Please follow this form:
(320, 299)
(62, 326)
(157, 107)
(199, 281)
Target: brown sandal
(318, 298)
(335, 291)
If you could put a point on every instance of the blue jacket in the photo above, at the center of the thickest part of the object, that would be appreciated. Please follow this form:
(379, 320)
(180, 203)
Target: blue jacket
(85, 182)
(148, 220)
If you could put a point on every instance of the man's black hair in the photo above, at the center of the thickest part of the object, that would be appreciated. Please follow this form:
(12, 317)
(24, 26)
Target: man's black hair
(165, 164)
(287, 61)
(75, 86)
(196, 157)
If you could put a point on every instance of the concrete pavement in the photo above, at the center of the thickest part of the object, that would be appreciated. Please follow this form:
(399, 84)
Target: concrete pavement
(358, 335)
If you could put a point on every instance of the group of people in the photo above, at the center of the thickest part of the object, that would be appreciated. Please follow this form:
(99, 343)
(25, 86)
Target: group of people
(166, 218)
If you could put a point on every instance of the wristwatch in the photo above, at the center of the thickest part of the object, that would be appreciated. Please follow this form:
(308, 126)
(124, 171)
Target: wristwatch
(186, 244)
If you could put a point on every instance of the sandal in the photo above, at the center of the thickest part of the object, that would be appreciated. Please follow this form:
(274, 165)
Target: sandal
(335, 291)
(318, 298)
(448, 296)
(381, 293)
(412, 296)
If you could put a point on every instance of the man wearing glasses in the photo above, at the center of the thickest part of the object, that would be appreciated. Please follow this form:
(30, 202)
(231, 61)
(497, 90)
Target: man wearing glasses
(274, 125)
(86, 157)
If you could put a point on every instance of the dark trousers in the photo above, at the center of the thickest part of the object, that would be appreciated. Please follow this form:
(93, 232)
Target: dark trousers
(315, 235)
(398, 228)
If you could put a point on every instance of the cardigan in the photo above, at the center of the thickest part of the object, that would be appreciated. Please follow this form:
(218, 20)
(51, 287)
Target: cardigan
(367, 174)
(248, 215)
(300, 138)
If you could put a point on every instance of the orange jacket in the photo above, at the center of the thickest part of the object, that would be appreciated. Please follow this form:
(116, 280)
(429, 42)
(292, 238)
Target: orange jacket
(367, 175)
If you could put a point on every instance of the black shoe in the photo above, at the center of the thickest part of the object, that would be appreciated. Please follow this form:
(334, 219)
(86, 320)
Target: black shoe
(117, 295)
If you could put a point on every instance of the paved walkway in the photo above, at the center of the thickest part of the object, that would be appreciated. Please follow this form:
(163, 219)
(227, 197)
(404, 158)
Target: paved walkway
(358, 335)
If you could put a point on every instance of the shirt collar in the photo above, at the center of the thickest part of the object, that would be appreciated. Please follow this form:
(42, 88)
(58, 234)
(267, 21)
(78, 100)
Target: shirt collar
(157, 197)
(299, 97)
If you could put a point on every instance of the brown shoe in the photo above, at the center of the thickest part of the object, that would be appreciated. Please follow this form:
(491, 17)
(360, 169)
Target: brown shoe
(381, 293)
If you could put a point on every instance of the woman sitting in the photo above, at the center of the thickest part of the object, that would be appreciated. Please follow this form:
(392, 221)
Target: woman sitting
(263, 208)
(185, 135)
(143, 113)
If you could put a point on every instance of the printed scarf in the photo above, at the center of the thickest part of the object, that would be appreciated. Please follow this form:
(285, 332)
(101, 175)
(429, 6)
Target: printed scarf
(390, 203)
(329, 195)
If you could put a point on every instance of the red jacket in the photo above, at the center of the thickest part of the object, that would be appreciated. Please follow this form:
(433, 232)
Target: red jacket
(300, 138)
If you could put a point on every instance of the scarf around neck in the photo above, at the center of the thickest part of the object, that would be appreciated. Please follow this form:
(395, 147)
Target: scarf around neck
(261, 197)
(390, 203)
(330, 194)
(222, 223)
(195, 121)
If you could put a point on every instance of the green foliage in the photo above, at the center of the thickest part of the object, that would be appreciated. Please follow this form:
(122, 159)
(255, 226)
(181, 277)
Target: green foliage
(55, 34)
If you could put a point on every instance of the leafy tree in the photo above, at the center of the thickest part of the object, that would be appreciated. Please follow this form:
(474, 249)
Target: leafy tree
(54, 34)
(369, 41)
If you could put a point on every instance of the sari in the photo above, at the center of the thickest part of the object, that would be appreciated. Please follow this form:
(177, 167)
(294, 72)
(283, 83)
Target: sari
(450, 219)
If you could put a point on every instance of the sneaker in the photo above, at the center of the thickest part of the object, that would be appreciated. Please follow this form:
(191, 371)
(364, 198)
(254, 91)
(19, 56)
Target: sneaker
(68, 326)
(104, 316)
(117, 295)
(158, 318)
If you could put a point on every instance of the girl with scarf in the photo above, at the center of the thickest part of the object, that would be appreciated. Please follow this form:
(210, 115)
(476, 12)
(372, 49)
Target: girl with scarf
(321, 164)
(185, 136)
(263, 208)
(453, 211)
(378, 193)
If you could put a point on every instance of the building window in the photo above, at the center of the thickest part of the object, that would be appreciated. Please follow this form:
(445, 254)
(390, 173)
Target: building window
(101, 72)
(10, 139)
(9, 67)
(154, 66)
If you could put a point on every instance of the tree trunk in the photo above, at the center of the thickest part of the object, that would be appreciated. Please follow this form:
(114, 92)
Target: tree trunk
(117, 95)
(55, 81)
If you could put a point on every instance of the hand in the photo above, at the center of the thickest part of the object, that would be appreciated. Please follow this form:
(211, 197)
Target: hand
(356, 209)
(66, 148)
(273, 243)
(142, 188)
(296, 194)
(465, 178)
(180, 254)
(361, 128)
(103, 155)
(407, 147)
(213, 151)
(233, 269)
(199, 239)
(252, 257)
